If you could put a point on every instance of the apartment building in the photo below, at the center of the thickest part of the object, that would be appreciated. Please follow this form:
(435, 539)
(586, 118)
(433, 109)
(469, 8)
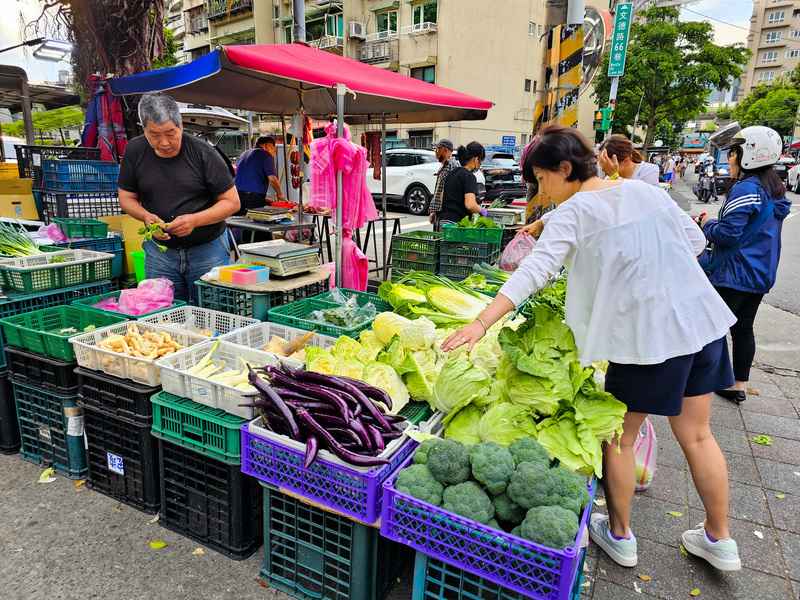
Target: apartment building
(488, 49)
(774, 41)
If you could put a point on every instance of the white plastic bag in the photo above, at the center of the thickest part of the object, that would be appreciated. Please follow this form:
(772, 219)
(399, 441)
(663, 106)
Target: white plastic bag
(645, 450)
(518, 248)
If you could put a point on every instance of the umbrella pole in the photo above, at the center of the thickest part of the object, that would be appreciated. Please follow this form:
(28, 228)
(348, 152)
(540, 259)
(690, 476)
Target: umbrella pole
(383, 191)
(340, 92)
(285, 159)
(302, 165)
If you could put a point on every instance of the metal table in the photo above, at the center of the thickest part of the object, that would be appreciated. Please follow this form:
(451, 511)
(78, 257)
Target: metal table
(307, 232)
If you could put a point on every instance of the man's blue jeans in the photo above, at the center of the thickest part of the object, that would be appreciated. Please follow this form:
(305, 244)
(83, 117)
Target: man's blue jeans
(184, 266)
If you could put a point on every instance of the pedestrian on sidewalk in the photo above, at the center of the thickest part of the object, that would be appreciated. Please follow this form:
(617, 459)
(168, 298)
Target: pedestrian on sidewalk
(637, 297)
(618, 158)
(746, 239)
(444, 154)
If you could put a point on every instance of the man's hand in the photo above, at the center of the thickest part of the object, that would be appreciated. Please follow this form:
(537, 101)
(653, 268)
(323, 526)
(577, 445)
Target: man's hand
(182, 225)
(151, 219)
(609, 164)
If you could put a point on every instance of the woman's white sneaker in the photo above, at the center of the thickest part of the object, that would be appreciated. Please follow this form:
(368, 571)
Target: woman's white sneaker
(722, 554)
(623, 552)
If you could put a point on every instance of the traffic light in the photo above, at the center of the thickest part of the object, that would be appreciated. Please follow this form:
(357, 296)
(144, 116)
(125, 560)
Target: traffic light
(603, 118)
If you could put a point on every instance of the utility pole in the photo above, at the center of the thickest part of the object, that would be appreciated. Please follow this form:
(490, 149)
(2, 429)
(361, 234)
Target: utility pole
(299, 20)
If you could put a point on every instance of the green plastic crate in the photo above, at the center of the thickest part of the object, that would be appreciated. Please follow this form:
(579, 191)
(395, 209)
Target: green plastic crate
(453, 233)
(313, 554)
(298, 314)
(251, 304)
(17, 303)
(89, 302)
(38, 331)
(416, 412)
(209, 431)
(39, 273)
(82, 228)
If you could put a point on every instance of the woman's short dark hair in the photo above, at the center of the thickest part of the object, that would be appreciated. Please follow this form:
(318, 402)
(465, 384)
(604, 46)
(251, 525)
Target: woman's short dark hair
(767, 176)
(556, 144)
(620, 146)
(464, 154)
(264, 140)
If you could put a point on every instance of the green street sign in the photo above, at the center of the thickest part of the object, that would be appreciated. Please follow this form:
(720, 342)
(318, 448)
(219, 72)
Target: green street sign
(619, 39)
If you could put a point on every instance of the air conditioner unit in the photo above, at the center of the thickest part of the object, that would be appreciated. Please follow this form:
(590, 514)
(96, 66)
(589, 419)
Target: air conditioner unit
(357, 30)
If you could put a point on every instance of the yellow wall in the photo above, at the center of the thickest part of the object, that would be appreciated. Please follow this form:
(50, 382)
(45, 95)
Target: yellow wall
(129, 228)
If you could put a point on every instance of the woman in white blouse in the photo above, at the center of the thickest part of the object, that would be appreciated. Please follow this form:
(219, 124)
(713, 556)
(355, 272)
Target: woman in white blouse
(637, 297)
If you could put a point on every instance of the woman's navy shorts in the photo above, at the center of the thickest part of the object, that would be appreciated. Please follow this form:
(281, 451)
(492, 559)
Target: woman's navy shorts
(660, 389)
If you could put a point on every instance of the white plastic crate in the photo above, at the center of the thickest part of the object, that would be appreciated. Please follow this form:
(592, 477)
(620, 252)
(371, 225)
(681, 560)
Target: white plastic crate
(175, 379)
(201, 321)
(258, 336)
(141, 370)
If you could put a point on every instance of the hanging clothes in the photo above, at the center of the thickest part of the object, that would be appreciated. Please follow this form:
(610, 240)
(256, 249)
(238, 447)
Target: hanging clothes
(104, 127)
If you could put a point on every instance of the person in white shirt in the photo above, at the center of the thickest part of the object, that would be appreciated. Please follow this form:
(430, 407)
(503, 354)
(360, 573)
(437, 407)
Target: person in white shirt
(637, 297)
(618, 158)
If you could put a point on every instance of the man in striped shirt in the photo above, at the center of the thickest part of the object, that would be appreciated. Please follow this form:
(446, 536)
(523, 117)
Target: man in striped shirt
(444, 154)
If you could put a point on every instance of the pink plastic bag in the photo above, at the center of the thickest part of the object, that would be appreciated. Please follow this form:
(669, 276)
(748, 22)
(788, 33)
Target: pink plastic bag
(355, 265)
(645, 449)
(517, 250)
(150, 295)
(52, 232)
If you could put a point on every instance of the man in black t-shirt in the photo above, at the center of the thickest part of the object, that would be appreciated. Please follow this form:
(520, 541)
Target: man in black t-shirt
(461, 187)
(180, 181)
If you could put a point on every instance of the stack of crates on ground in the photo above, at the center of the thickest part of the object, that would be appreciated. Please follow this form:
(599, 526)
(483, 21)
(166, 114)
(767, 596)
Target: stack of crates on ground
(15, 303)
(79, 189)
(415, 251)
(29, 163)
(463, 247)
(41, 363)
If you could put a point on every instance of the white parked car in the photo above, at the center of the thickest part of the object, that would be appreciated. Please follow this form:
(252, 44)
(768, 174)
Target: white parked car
(410, 179)
(793, 179)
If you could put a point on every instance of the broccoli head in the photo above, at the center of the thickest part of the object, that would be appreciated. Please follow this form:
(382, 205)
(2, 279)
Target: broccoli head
(448, 461)
(550, 526)
(421, 455)
(468, 500)
(507, 510)
(529, 484)
(417, 481)
(494, 524)
(517, 531)
(528, 449)
(492, 465)
(534, 485)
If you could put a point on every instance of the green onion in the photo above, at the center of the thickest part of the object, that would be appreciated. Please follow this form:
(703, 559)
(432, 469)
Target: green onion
(15, 241)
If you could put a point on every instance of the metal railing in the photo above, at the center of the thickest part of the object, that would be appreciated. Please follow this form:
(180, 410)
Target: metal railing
(419, 28)
(218, 9)
(328, 41)
(379, 36)
(198, 24)
(379, 52)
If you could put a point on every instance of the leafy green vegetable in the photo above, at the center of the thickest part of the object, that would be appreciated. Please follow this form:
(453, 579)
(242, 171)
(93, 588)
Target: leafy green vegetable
(504, 423)
(477, 222)
(420, 372)
(560, 438)
(320, 360)
(384, 377)
(601, 413)
(387, 325)
(400, 295)
(459, 382)
(419, 334)
(463, 426)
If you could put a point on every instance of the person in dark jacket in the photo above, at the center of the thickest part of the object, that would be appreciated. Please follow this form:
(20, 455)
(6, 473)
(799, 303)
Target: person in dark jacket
(746, 241)
(461, 187)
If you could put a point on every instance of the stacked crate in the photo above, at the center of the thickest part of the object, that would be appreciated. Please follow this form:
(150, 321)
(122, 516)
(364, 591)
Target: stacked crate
(463, 247)
(91, 234)
(41, 363)
(415, 251)
(79, 189)
(251, 304)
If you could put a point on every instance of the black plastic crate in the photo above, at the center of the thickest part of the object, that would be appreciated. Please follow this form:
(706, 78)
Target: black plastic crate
(44, 420)
(209, 501)
(121, 397)
(312, 553)
(9, 429)
(30, 157)
(42, 371)
(122, 459)
(79, 205)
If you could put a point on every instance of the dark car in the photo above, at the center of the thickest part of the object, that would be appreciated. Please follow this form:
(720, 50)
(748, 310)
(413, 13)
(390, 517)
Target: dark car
(503, 177)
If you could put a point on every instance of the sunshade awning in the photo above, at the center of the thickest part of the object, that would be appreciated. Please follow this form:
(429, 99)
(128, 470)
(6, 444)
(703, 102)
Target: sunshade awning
(280, 78)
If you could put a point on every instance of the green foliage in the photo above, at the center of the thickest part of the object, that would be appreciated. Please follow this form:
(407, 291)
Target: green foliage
(670, 67)
(550, 526)
(417, 481)
(468, 500)
(169, 56)
(771, 105)
(709, 127)
(47, 120)
(449, 462)
(492, 465)
(724, 113)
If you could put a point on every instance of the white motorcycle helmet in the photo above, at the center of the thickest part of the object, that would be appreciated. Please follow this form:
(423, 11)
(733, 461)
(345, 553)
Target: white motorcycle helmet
(761, 146)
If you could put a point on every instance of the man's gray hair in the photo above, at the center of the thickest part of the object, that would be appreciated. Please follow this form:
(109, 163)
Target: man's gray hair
(158, 109)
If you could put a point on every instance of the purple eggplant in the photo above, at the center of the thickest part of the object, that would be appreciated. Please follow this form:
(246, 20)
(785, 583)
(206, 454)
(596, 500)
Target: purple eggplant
(358, 427)
(376, 394)
(335, 447)
(349, 433)
(391, 435)
(313, 391)
(312, 448)
(376, 436)
(268, 394)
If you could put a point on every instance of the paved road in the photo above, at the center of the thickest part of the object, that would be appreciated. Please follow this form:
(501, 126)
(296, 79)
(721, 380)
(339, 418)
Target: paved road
(786, 293)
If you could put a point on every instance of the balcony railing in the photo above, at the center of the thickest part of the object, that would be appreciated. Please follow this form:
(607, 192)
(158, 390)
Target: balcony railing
(218, 9)
(326, 42)
(381, 35)
(418, 29)
(198, 24)
(379, 52)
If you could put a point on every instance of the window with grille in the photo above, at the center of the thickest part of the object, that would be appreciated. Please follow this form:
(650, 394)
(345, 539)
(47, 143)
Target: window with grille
(772, 37)
(769, 56)
(776, 16)
(766, 76)
(424, 73)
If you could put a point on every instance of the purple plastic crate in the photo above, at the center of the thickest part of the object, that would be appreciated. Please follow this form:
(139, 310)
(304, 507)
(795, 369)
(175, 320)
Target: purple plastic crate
(521, 565)
(343, 489)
